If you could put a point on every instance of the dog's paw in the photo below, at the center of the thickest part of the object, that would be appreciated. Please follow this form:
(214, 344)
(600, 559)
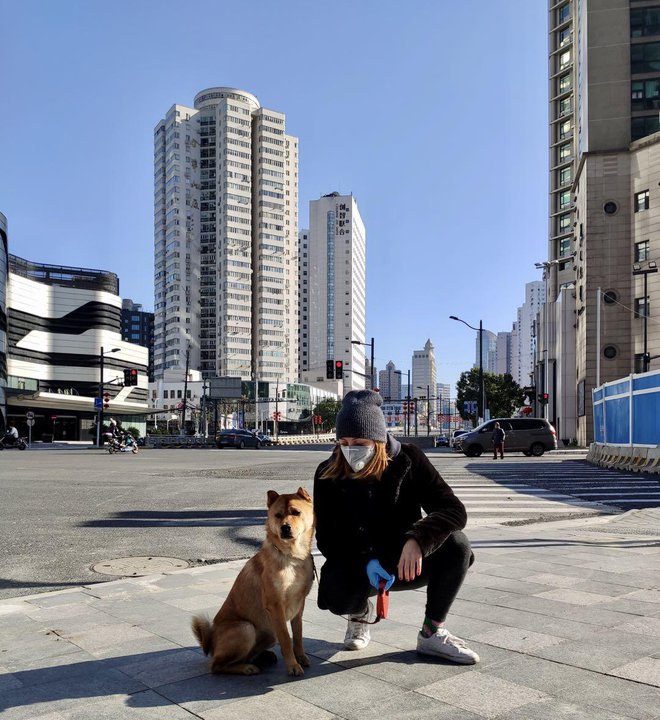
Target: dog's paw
(295, 670)
(250, 669)
(302, 659)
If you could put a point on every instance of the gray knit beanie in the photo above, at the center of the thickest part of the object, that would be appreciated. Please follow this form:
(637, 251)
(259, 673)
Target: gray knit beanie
(361, 416)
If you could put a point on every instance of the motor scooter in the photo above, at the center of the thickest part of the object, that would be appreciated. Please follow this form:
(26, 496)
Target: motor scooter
(7, 444)
(125, 443)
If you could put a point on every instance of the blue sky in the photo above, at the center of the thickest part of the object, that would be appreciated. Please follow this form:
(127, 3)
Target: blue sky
(432, 113)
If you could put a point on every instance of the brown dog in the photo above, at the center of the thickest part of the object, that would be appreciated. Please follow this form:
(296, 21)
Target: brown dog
(269, 591)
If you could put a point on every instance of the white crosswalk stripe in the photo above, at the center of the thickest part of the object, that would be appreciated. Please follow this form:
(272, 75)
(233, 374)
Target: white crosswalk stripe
(528, 489)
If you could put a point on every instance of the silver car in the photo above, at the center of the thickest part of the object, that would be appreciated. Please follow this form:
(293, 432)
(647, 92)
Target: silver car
(530, 436)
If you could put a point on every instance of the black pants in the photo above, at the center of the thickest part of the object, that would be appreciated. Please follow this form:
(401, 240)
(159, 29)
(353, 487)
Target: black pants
(344, 586)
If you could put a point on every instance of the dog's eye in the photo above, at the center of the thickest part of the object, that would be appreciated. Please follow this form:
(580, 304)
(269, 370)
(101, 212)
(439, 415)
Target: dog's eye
(295, 512)
(279, 515)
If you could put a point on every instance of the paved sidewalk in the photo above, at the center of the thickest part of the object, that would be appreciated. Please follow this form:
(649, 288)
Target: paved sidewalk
(565, 617)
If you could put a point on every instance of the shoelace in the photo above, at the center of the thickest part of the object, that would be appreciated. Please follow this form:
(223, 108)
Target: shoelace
(453, 640)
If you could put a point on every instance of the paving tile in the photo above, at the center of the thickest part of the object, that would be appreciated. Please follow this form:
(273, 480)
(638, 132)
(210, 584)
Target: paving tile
(146, 705)
(275, 705)
(643, 626)
(194, 603)
(630, 606)
(648, 596)
(168, 667)
(554, 709)
(632, 700)
(513, 585)
(8, 681)
(592, 615)
(517, 639)
(482, 694)
(559, 581)
(603, 588)
(645, 670)
(602, 651)
(63, 597)
(573, 597)
(106, 636)
(537, 673)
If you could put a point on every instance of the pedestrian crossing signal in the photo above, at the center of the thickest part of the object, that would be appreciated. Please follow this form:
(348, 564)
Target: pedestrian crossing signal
(339, 369)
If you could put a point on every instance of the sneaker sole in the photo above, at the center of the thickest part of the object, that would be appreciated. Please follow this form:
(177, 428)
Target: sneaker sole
(461, 660)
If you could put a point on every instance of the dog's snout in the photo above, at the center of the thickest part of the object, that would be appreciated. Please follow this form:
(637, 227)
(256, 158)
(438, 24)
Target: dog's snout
(285, 530)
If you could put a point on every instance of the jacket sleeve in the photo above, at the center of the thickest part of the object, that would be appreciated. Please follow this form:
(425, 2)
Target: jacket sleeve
(325, 507)
(445, 513)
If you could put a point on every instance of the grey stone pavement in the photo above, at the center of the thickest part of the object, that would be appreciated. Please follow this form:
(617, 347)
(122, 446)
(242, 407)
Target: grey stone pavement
(565, 616)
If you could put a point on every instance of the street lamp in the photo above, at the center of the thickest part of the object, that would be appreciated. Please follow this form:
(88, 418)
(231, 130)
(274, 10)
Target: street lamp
(652, 267)
(99, 412)
(407, 413)
(371, 367)
(482, 393)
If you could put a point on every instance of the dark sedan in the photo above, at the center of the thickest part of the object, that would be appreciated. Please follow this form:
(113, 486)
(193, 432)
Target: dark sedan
(238, 439)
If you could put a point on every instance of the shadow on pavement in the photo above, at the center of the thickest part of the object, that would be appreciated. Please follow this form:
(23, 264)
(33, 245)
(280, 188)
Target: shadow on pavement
(190, 518)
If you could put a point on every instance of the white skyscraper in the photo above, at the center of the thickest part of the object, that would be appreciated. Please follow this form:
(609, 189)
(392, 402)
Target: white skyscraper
(333, 291)
(489, 350)
(225, 239)
(522, 336)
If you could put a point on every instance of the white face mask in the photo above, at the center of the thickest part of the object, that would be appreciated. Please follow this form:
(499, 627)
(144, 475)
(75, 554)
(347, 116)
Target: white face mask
(357, 456)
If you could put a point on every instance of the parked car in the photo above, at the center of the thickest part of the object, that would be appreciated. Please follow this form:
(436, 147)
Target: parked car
(440, 441)
(237, 439)
(263, 439)
(454, 435)
(530, 436)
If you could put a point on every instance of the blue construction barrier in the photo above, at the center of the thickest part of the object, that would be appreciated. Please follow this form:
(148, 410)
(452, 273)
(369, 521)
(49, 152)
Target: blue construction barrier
(627, 411)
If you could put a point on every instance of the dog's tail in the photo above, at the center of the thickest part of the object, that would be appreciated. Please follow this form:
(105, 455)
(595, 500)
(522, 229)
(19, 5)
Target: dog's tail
(204, 633)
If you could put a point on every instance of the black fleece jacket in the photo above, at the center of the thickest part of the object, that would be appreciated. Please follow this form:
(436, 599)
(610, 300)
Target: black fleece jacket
(365, 519)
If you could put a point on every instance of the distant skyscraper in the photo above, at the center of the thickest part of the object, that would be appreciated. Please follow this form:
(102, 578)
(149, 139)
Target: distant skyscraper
(390, 382)
(137, 327)
(523, 334)
(489, 349)
(225, 240)
(332, 294)
(424, 378)
(503, 353)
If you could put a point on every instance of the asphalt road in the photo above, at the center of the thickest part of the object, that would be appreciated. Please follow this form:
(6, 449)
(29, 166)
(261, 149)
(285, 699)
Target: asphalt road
(64, 511)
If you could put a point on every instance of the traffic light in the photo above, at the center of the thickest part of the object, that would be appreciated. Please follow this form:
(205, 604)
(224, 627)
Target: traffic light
(330, 369)
(106, 400)
(543, 398)
(339, 369)
(130, 376)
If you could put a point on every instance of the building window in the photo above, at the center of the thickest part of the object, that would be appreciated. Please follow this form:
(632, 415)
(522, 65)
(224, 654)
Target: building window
(643, 126)
(564, 247)
(645, 57)
(564, 222)
(645, 94)
(565, 106)
(565, 176)
(565, 129)
(564, 59)
(564, 37)
(564, 199)
(644, 21)
(565, 152)
(564, 13)
(642, 307)
(564, 83)
(642, 201)
(642, 251)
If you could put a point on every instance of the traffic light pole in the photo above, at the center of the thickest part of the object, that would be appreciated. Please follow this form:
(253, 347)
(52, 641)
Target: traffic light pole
(99, 414)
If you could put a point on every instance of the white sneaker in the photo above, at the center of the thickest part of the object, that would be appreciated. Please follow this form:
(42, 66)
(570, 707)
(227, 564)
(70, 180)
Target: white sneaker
(357, 633)
(445, 645)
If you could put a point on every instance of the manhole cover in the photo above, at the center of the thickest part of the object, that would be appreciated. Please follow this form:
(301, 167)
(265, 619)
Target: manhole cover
(136, 566)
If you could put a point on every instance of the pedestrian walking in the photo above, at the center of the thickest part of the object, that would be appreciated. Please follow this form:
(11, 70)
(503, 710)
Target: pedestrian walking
(498, 441)
(369, 497)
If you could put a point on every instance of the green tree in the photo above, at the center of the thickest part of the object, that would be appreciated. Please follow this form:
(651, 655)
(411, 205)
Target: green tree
(328, 410)
(503, 394)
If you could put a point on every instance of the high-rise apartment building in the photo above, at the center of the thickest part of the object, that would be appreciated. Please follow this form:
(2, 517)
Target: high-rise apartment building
(488, 346)
(333, 291)
(503, 353)
(226, 239)
(389, 382)
(424, 372)
(137, 326)
(523, 336)
(604, 201)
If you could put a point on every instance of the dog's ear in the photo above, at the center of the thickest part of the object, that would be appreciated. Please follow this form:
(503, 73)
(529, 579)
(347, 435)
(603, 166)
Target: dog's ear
(304, 494)
(272, 496)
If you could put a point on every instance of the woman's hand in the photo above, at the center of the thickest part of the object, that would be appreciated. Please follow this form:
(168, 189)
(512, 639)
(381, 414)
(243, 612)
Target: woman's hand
(410, 563)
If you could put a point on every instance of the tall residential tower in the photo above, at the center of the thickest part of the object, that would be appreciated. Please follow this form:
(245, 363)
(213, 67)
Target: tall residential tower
(226, 236)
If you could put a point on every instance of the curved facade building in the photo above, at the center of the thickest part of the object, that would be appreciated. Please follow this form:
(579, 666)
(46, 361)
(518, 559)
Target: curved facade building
(4, 263)
(59, 321)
